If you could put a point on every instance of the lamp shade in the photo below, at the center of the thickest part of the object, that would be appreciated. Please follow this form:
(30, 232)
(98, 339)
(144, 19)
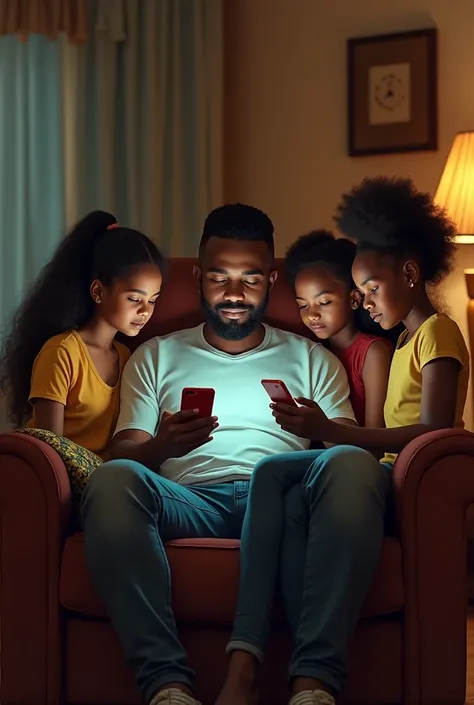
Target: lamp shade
(455, 192)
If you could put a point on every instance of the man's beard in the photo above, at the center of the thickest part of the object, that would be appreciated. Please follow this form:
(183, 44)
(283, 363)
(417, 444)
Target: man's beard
(231, 329)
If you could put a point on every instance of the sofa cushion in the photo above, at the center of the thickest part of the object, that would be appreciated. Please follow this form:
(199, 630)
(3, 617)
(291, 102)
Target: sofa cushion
(212, 566)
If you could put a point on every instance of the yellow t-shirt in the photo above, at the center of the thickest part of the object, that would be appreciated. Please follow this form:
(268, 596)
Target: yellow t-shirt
(438, 337)
(64, 372)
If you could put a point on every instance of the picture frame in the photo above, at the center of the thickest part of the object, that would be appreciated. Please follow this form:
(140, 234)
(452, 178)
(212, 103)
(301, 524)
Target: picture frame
(392, 93)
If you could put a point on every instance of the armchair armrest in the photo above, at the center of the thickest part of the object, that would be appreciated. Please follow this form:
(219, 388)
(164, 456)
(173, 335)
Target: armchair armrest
(433, 481)
(34, 513)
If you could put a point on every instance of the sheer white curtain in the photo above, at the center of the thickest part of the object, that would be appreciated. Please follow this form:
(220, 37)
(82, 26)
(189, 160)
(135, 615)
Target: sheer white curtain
(143, 117)
(31, 164)
(131, 122)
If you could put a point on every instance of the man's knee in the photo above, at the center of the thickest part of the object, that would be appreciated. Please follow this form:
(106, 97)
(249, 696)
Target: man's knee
(114, 479)
(111, 490)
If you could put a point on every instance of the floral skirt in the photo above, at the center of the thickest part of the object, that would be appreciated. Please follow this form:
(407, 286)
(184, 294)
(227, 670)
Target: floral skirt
(79, 462)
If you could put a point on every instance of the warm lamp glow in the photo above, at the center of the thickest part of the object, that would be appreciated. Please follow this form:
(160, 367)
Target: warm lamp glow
(456, 188)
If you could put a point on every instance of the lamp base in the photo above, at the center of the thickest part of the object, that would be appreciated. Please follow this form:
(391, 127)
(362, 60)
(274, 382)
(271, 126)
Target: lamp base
(469, 277)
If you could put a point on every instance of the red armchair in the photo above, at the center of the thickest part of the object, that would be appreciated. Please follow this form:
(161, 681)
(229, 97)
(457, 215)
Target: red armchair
(58, 647)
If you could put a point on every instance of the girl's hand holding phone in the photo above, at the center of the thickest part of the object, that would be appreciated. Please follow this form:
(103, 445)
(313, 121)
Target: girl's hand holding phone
(305, 421)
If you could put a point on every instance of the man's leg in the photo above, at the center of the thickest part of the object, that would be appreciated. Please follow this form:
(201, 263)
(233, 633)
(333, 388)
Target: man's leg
(128, 513)
(345, 490)
(259, 560)
(293, 554)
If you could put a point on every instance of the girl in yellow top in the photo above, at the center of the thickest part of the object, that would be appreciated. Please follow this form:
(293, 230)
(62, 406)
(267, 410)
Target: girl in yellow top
(328, 529)
(405, 244)
(61, 365)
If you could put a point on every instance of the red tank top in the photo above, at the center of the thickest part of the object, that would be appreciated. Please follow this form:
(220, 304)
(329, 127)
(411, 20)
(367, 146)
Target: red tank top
(353, 359)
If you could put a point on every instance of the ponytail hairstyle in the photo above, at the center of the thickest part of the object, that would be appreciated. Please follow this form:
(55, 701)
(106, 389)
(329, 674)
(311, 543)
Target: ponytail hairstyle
(60, 300)
(320, 248)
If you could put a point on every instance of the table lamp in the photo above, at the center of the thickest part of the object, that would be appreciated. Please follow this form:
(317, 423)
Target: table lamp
(455, 193)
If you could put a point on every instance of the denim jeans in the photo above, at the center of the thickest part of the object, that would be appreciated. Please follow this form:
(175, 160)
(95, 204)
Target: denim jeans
(129, 512)
(317, 517)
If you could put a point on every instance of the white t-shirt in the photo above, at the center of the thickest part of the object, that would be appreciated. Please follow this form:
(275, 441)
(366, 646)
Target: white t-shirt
(157, 372)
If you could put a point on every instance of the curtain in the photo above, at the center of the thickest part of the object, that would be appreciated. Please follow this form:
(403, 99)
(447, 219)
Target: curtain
(31, 163)
(48, 17)
(129, 122)
(142, 103)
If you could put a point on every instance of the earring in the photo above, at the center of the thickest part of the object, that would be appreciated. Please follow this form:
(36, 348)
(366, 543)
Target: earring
(354, 305)
(411, 285)
(97, 299)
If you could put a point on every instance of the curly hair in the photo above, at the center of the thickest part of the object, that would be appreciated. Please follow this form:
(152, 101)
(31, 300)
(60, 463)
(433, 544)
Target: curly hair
(237, 221)
(60, 299)
(391, 215)
(320, 247)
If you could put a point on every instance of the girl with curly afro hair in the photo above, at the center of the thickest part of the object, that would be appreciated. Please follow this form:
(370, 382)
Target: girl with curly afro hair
(405, 246)
(317, 517)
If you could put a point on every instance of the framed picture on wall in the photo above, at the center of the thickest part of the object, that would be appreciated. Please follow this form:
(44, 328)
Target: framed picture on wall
(392, 93)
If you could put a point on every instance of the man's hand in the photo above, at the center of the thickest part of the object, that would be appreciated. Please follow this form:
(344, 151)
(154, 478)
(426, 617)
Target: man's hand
(180, 433)
(305, 421)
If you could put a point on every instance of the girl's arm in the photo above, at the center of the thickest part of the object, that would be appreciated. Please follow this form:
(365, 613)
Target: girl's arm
(375, 378)
(49, 415)
(51, 380)
(438, 410)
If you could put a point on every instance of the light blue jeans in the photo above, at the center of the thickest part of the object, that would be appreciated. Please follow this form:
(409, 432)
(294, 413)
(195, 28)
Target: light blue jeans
(129, 512)
(317, 517)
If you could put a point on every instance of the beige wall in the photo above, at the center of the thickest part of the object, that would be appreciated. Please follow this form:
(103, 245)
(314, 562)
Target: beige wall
(286, 107)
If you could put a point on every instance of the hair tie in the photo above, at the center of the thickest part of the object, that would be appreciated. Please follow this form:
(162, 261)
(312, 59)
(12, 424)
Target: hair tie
(114, 225)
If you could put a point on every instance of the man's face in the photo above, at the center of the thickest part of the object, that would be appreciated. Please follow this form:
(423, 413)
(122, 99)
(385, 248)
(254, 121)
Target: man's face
(235, 280)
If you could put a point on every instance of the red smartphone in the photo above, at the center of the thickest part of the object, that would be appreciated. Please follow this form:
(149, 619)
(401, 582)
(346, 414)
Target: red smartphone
(201, 398)
(278, 391)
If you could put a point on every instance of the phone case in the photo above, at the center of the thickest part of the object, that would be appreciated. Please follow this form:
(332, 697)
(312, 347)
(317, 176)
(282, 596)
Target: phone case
(201, 398)
(278, 391)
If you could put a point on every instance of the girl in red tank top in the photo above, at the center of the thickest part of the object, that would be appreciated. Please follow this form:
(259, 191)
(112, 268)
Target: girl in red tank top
(319, 266)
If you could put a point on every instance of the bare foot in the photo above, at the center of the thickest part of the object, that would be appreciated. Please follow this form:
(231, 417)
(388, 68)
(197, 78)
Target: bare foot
(240, 687)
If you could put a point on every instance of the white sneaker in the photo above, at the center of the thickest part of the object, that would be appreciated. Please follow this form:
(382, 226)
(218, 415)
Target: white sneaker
(173, 696)
(312, 697)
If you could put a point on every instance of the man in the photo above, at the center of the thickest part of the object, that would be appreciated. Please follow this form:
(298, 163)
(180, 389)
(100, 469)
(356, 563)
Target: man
(180, 476)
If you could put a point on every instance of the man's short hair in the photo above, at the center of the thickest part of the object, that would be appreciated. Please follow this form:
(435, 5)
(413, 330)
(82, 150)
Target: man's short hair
(237, 221)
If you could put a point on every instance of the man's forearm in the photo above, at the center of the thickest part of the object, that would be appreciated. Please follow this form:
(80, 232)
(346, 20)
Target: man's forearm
(147, 453)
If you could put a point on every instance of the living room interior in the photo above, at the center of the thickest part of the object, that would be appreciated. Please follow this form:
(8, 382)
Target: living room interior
(276, 102)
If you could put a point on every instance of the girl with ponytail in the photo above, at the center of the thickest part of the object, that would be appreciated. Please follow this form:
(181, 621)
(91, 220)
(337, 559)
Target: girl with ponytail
(60, 365)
